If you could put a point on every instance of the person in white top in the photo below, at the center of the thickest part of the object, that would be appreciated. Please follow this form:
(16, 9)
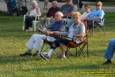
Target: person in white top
(96, 16)
(87, 9)
(30, 16)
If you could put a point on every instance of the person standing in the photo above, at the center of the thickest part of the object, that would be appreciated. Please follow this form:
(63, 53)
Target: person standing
(78, 3)
(11, 6)
(46, 4)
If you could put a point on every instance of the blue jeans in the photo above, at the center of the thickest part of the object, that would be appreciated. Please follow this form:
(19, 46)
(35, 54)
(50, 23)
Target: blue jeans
(57, 43)
(110, 50)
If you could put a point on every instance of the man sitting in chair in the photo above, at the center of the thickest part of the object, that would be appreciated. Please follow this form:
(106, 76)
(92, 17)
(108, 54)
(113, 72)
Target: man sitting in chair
(96, 15)
(53, 9)
(76, 29)
(36, 40)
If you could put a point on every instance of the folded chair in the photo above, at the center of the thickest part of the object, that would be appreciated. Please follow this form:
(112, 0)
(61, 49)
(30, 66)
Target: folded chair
(82, 46)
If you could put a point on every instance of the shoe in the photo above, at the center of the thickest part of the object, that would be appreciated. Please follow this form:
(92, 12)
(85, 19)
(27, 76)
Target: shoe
(45, 57)
(107, 62)
(35, 54)
(26, 54)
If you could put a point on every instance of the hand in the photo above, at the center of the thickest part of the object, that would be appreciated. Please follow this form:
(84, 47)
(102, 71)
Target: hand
(50, 33)
(57, 33)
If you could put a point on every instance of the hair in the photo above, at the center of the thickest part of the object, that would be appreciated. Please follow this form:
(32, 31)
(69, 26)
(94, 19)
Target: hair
(74, 14)
(59, 13)
(70, 1)
(54, 2)
(34, 2)
(87, 5)
(99, 2)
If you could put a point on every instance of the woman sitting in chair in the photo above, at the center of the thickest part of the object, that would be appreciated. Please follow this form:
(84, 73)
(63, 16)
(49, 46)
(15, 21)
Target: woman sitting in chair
(30, 16)
(76, 29)
(96, 16)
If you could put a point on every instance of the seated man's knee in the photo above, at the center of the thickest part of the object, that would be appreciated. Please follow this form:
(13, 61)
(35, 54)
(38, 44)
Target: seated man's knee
(34, 35)
(112, 42)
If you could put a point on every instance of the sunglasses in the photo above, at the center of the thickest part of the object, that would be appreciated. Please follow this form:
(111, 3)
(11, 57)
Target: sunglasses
(97, 5)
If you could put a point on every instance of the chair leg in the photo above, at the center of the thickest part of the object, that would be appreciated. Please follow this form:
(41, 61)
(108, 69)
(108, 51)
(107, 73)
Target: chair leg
(93, 28)
(67, 52)
(76, 52)
(87, 50)
(44, 47)
(34, 25)
(84, 49)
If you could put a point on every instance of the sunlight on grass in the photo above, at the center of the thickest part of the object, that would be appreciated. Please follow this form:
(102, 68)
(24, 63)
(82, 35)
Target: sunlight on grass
(13, 40)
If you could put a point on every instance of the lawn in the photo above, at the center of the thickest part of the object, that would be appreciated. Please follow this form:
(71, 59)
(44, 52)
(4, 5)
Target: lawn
(13, 40)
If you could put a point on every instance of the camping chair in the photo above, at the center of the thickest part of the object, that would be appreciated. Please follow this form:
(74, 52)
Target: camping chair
(47, 22)
(99, 25)
(82, 46)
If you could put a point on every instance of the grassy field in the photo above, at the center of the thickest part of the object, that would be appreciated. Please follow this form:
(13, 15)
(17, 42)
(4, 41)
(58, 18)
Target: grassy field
(12, 43)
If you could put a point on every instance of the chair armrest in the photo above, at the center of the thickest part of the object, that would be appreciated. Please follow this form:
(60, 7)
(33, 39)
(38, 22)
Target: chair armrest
(80, 37)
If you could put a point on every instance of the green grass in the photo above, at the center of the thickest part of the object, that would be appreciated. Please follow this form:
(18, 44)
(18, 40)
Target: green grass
(13, 40)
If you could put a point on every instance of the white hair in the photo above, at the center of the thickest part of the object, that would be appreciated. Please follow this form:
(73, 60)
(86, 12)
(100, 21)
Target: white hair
(34, 2)
(54, 2)
(60, 13)
(100, 3)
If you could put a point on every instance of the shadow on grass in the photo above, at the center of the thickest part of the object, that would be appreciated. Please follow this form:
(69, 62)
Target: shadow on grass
(97, 53)
(15, 59)
(71, 67)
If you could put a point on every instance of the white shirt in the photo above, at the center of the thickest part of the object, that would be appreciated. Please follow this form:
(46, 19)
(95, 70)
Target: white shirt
(33, 12)
(84, 15)
(76, 30)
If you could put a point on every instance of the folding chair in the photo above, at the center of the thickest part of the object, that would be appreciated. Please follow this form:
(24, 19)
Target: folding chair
(34, 23)
(99, 25)
(47, 22)
(82, 46)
